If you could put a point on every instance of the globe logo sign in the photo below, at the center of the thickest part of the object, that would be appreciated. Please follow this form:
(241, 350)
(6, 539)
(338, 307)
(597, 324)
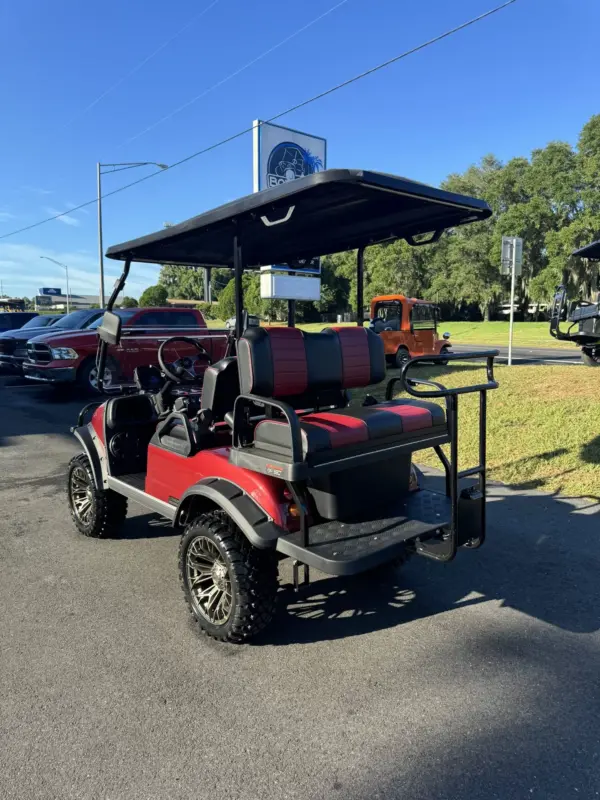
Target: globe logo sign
(288, 161)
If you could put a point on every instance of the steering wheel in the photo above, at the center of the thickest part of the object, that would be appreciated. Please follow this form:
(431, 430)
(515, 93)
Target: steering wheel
(183, 366)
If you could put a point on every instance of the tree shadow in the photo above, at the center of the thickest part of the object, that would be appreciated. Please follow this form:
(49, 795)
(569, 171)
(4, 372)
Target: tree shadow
(590, 452)
(505, 716)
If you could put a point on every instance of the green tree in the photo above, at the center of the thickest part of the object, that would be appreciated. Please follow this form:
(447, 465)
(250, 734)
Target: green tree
(226, 304)
(154, 296)
(129, 302)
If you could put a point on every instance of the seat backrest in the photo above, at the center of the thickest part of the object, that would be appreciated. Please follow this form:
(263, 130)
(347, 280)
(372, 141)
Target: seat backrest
(130, 410)
(290, 363)
(220, 388)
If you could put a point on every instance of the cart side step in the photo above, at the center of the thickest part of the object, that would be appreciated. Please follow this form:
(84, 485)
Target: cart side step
(347, 548)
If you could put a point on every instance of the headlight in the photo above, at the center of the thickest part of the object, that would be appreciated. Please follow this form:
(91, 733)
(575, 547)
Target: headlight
(63, 353)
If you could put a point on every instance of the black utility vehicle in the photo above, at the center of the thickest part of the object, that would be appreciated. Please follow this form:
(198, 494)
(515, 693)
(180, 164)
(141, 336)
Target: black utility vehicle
(583, 316)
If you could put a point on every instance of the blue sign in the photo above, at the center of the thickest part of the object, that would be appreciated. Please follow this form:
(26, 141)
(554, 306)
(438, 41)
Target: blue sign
(282, 155)
(51, 291)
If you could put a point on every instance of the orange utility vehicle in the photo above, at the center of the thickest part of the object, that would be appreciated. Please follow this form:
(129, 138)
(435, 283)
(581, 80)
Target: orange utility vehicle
(408, 328)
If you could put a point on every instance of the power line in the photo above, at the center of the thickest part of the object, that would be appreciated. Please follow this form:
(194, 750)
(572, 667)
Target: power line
(233, 74)
(141, 63)
(304, 103)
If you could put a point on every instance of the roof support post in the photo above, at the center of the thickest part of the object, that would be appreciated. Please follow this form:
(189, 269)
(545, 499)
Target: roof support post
(291, 321)
(239, 291)
(360, 264)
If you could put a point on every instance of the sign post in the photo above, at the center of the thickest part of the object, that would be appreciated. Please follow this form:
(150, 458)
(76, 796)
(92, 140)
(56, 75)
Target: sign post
(512, 260)
(282, 155)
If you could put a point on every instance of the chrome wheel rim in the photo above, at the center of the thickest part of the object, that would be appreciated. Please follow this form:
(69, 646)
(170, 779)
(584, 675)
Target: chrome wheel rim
(93, 378)
(82, 497)
(209, 581)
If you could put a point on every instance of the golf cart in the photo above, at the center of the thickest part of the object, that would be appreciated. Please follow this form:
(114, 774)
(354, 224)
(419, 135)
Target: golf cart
(582, 313)
(273, 461)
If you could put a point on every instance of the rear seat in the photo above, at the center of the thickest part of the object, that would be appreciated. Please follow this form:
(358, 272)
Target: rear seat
(311, 370)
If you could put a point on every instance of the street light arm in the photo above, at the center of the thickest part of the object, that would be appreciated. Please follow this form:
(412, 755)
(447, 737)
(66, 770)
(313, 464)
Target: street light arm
(66, 269)
(130, 165)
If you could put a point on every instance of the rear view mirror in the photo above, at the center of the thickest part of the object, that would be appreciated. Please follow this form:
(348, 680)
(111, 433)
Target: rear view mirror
(110, 328)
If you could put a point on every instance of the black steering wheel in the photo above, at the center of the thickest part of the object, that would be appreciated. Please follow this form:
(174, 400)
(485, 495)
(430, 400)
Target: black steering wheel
(183, 366)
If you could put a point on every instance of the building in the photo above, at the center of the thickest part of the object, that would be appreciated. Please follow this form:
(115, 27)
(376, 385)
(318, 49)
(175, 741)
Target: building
(58, 302)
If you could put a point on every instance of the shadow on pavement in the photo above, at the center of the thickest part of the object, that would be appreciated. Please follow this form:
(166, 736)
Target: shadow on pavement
(147, 526)
(541, 557)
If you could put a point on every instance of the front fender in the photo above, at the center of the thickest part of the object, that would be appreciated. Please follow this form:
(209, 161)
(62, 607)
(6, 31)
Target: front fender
(251, 519)
(87, 438)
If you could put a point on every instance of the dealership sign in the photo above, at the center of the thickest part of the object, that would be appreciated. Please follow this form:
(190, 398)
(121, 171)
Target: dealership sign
(282, 155)
(51, 291)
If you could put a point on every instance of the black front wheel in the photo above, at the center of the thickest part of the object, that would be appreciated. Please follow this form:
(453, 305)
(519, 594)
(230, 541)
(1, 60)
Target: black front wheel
(97, 513)
(444, 351)
(229, 585)
(402, 356)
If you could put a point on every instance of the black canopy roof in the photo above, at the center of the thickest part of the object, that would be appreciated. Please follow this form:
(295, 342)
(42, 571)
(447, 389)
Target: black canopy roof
(589, 251)
(327, 212)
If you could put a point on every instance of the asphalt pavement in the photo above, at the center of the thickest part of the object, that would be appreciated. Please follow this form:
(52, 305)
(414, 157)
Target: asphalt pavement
(475, 680)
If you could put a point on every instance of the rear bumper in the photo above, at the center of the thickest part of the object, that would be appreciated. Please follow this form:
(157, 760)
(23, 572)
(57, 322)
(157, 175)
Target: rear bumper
(40, 372)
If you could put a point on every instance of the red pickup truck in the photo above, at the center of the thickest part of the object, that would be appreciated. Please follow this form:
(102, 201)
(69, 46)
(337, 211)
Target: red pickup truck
(71, 357)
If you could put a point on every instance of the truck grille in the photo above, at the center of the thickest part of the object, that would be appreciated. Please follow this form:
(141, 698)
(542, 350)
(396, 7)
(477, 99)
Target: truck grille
(39, 353)
(7, 347)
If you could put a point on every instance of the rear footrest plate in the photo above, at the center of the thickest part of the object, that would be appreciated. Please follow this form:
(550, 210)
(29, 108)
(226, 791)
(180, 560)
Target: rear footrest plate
(347, 548)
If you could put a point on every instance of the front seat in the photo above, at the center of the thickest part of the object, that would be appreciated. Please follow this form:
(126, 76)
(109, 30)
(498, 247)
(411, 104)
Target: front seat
(220, 389)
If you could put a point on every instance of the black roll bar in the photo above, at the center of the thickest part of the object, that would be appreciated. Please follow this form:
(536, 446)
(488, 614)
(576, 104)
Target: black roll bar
(241, 404)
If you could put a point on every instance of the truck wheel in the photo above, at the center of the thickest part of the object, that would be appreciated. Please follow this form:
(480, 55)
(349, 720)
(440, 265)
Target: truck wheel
(229, 585)
(591, 358)
(87, 376)
(402, 356)
(96, 512)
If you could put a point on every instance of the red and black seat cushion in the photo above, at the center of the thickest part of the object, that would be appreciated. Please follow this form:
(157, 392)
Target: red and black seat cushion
(299, 367)
(395, 421)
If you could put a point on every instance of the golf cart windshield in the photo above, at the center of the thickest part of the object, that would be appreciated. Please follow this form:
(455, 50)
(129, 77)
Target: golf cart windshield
(327, 212)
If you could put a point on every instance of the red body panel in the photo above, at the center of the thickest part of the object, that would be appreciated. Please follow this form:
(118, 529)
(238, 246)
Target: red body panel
(170, 475)
(98, 422)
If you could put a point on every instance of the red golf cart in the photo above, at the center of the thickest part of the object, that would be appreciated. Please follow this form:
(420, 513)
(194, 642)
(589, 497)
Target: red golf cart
(583, 316)
(270, 460)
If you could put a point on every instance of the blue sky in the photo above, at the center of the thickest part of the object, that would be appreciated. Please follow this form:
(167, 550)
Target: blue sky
(515, 81)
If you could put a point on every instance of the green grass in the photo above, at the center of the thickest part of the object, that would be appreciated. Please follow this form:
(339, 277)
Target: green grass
(542, 426)
(525, 334)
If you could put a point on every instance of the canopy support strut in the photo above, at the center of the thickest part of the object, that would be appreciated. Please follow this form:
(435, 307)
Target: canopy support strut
(239, 298)
(360, 264)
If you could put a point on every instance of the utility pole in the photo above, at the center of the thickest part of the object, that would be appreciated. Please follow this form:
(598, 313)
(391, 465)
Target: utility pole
(112, 168)
(100, 247)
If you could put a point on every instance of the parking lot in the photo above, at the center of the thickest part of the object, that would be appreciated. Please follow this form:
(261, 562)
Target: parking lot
(478, 679)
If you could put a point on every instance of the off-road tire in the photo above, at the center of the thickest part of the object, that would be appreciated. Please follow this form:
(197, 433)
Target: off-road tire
(590, 359)
(401, 357)
(87, 368)
(108, 509)
(252, 574)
